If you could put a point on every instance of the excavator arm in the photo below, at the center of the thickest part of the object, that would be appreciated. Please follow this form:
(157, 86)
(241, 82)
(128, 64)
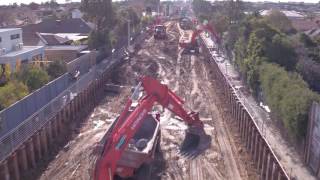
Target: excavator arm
(127, 126)
(169, 100)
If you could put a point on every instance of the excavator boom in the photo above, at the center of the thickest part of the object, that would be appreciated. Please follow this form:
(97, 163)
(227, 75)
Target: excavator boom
(127, 126)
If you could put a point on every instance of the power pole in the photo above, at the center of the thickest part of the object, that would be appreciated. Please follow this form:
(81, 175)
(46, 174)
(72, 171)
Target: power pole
(129, 33)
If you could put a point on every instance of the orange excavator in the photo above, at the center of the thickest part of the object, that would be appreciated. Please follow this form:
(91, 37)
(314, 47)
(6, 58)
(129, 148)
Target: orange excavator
(148, 92)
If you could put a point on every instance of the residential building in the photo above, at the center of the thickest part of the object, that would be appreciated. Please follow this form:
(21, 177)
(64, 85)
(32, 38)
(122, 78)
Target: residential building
(12, 49)
(68, 28)
(66, 53)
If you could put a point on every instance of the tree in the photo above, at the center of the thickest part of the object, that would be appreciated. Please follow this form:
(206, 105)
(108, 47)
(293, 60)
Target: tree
(281, 52)
(12, 92)
(34, 77)
(56, 69)
(288, 97)
(33, 6)
(255, 56)
(235, 11)
(279, 21)
(100, 12)
(310, 71)
(6, 18)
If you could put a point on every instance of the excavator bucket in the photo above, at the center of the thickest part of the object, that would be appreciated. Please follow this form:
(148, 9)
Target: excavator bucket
(195, 140)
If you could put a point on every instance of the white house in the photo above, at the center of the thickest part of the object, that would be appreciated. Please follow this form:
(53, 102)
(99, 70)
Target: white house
(12, 49)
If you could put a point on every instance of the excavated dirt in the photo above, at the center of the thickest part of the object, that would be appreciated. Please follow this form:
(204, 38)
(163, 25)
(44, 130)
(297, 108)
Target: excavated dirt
(189, 77)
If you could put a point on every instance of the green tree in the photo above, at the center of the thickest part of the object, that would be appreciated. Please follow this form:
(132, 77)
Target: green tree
(56, 69)
(281, 52)
(12, 92)
(33, 77)
(288, 97)
(101, 13)
(280, 21)
(255, 56)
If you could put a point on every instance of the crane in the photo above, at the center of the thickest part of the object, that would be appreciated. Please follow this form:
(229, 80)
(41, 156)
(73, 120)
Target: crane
(127, 125)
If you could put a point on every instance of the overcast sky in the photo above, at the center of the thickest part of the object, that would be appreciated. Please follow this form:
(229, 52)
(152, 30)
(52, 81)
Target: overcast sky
(6, 2)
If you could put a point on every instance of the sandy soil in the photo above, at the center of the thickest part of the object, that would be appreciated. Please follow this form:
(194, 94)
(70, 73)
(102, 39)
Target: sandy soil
(189, 77)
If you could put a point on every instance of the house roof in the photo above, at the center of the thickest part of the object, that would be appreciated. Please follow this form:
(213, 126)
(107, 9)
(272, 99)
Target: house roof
(53, 26)
(59, 26)
(313, 32)
(289, 14)
(52, 39)
(8, 29)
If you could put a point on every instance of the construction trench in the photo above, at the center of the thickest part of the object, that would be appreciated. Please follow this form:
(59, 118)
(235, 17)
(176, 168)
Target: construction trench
(66, 148)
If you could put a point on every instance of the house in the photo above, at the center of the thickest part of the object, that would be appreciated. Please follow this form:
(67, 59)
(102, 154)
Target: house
(67, 27)
(59, 37)
(66, 53)
(12, 49)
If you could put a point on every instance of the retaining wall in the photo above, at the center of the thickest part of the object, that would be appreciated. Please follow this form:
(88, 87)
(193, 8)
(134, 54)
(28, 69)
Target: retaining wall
(74, 104)
(32, 151)
(265, 161)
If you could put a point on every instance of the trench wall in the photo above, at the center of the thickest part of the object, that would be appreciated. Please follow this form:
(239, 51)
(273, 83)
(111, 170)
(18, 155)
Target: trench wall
(37, 147)
(79, 101)
(264, 159)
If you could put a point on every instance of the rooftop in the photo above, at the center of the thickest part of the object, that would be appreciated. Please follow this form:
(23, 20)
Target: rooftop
(67, 47)
(25, 49)
(62, 27)
(292, 14)
(26, 52)
(8, 29)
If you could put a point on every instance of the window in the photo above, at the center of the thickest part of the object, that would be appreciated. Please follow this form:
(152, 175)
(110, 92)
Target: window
(15, 36)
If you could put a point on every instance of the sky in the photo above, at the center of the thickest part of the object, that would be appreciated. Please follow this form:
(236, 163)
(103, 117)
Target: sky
(6, 2)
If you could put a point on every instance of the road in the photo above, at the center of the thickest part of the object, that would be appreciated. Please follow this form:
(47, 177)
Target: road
(189, 77)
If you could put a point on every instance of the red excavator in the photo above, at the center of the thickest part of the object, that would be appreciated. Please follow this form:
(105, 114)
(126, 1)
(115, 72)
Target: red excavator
(148, 92)
(188, 39)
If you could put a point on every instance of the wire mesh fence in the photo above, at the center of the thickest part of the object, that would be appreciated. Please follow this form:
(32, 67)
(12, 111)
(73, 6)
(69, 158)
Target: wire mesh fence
(20, 121)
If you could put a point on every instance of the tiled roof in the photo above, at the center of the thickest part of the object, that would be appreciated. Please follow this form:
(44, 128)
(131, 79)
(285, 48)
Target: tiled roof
(53, 26)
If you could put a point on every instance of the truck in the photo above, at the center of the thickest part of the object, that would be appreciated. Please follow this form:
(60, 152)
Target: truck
(160, 32)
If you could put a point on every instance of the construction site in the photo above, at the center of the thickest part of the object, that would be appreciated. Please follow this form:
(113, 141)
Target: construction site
(102, 134)
(189, 77)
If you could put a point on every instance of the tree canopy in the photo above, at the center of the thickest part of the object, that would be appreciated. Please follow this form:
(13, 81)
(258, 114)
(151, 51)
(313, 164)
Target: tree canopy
(33, 77)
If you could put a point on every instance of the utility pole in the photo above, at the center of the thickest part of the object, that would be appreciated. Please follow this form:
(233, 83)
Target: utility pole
(129, 33)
